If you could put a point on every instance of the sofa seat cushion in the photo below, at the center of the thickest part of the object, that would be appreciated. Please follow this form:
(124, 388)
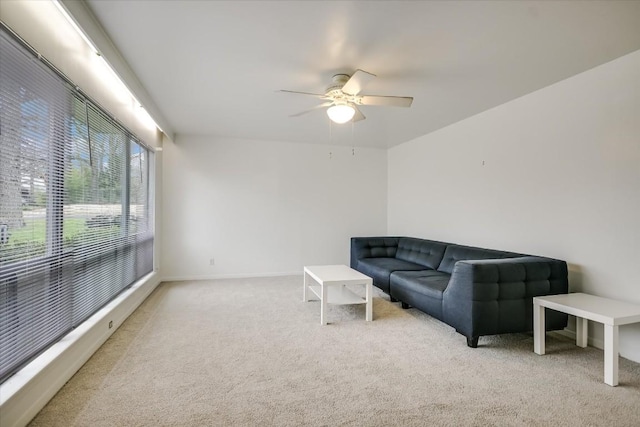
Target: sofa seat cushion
(379, 269)
(431, 283)
(421, 289)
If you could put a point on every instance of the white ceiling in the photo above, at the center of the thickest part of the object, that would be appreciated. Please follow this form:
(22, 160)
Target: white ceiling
(214, 67)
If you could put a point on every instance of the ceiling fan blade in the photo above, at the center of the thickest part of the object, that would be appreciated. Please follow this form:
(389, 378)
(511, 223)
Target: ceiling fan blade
(357, 81)
(358, 115)
(318, 95)
(324, 104)
(387, 101)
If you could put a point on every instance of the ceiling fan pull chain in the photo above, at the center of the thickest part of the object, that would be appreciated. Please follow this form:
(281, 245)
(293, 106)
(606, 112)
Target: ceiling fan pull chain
(353, 144)
(330, 139)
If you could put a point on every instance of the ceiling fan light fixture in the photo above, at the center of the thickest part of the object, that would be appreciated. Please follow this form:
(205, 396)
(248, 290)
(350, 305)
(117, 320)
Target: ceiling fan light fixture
(341, 113)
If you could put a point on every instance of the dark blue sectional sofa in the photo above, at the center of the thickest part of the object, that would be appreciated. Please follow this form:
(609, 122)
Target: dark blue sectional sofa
(477, 291)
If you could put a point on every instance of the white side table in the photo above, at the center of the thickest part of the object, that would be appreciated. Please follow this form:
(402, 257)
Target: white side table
(328, 282)
(585, 307)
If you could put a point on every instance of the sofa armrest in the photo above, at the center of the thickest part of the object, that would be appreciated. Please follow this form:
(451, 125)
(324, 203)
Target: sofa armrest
(370, 247)
(486, 297)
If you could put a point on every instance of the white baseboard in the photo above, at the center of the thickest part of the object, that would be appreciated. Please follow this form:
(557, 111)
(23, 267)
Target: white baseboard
(230, 276)
(590, 340)
(24, 394)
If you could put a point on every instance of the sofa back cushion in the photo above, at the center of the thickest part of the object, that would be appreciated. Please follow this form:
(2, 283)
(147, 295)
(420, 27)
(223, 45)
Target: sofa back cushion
(374, 247)
(455, 253)
(424, 252)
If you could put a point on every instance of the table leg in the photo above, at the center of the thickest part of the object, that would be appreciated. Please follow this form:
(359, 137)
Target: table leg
(582, 328)
(611, 355)
(323, 305)
(305, 287)
(369, 296)
(539, 329)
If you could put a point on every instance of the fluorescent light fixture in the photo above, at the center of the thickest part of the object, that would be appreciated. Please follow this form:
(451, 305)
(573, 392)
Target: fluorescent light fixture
(145, 118)
(75, 25)
(341, 112)
(117, 84)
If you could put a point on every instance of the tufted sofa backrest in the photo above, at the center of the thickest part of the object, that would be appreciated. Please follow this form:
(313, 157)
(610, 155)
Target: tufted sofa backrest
(455, 253)
(374, 247)
(424, 252)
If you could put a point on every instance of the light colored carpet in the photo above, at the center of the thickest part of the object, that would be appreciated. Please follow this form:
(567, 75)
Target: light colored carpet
(248, 352)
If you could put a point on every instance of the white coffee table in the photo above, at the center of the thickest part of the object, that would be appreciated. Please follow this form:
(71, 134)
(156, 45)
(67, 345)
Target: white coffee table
(585, 307)
(329, 284)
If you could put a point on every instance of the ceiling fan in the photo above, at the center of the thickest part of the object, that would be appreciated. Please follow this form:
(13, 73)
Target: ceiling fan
(342, 97)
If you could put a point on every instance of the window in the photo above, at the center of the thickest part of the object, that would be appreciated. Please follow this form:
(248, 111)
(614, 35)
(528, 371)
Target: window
(76, 227)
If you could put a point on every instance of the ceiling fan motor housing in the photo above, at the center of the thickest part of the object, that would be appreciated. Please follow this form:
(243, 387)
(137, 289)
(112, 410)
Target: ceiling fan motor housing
(334, 90)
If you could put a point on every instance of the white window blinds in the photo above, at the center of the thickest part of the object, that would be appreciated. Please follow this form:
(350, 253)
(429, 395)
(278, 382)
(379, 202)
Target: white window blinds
(75, 220)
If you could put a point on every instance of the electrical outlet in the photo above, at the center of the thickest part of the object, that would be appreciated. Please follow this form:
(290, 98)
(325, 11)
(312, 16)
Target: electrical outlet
(212, 261)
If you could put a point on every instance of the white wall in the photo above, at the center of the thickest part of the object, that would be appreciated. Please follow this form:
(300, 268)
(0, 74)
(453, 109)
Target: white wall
(554, 173)
(262, 208)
